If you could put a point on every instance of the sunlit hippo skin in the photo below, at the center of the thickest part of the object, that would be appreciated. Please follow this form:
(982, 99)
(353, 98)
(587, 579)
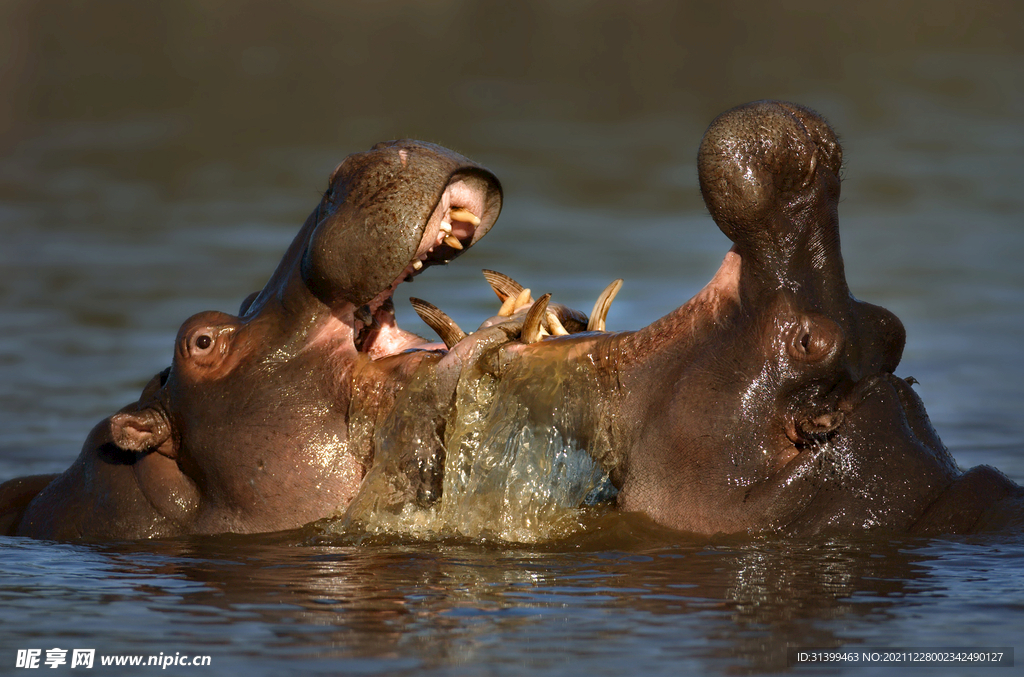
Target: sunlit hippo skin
(768, 402)
(265, 421)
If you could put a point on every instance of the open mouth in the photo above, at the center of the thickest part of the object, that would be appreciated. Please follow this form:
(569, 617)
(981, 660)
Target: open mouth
(454, 226)
(454, 233)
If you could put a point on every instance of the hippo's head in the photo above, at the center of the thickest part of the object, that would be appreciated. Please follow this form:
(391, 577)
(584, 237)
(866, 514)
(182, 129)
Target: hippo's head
(768, 402)
(784, 412)
(264, 420)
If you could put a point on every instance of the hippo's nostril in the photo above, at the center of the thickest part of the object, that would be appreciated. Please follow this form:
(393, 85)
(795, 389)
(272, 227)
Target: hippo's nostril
(813, 339)
(812, 166)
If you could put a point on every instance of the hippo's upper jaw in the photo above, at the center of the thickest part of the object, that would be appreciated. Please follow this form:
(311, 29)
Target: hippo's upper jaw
(387, 215)
(464, 213)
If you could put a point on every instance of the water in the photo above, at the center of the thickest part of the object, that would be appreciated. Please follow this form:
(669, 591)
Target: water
(156, 160)
(629, 600)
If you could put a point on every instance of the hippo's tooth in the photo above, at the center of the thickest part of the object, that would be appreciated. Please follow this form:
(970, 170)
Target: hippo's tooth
(604, 302)
(465, 215)
(557, 329)
(524, 299)
(532, 330)
(513, 303)
(439, 321)
(507, 306)
(417, 265)
(446, 228)
(453, 242)
(364, 315)
(503, 285)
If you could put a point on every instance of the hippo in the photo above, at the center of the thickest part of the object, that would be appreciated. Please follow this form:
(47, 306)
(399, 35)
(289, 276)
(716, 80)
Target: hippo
(265, 421)
(766, 404)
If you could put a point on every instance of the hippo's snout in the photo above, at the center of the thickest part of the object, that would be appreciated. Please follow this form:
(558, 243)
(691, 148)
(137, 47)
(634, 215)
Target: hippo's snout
(385, 209)
(757, 159)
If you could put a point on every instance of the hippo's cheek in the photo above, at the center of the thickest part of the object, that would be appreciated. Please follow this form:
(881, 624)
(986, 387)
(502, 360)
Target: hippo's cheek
(170, 491)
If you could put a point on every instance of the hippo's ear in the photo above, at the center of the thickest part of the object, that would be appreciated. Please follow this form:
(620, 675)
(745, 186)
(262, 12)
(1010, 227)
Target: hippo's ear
(140, 430)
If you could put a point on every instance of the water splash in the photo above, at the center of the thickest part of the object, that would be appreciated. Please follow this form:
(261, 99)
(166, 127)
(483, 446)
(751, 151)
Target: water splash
(510, 471)
(510, 476)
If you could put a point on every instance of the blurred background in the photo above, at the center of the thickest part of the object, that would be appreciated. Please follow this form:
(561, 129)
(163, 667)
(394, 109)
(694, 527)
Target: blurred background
(157, 158)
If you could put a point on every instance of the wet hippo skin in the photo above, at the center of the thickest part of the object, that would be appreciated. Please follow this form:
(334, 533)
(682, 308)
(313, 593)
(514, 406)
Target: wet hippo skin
(265, 420)
(768, 403)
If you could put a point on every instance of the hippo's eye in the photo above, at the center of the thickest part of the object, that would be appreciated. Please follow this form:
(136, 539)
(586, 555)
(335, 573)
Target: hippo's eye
(205, 340)
(201, 344)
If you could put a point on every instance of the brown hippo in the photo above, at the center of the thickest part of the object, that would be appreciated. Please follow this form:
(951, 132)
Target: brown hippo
(767, 403)
(265, 420)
